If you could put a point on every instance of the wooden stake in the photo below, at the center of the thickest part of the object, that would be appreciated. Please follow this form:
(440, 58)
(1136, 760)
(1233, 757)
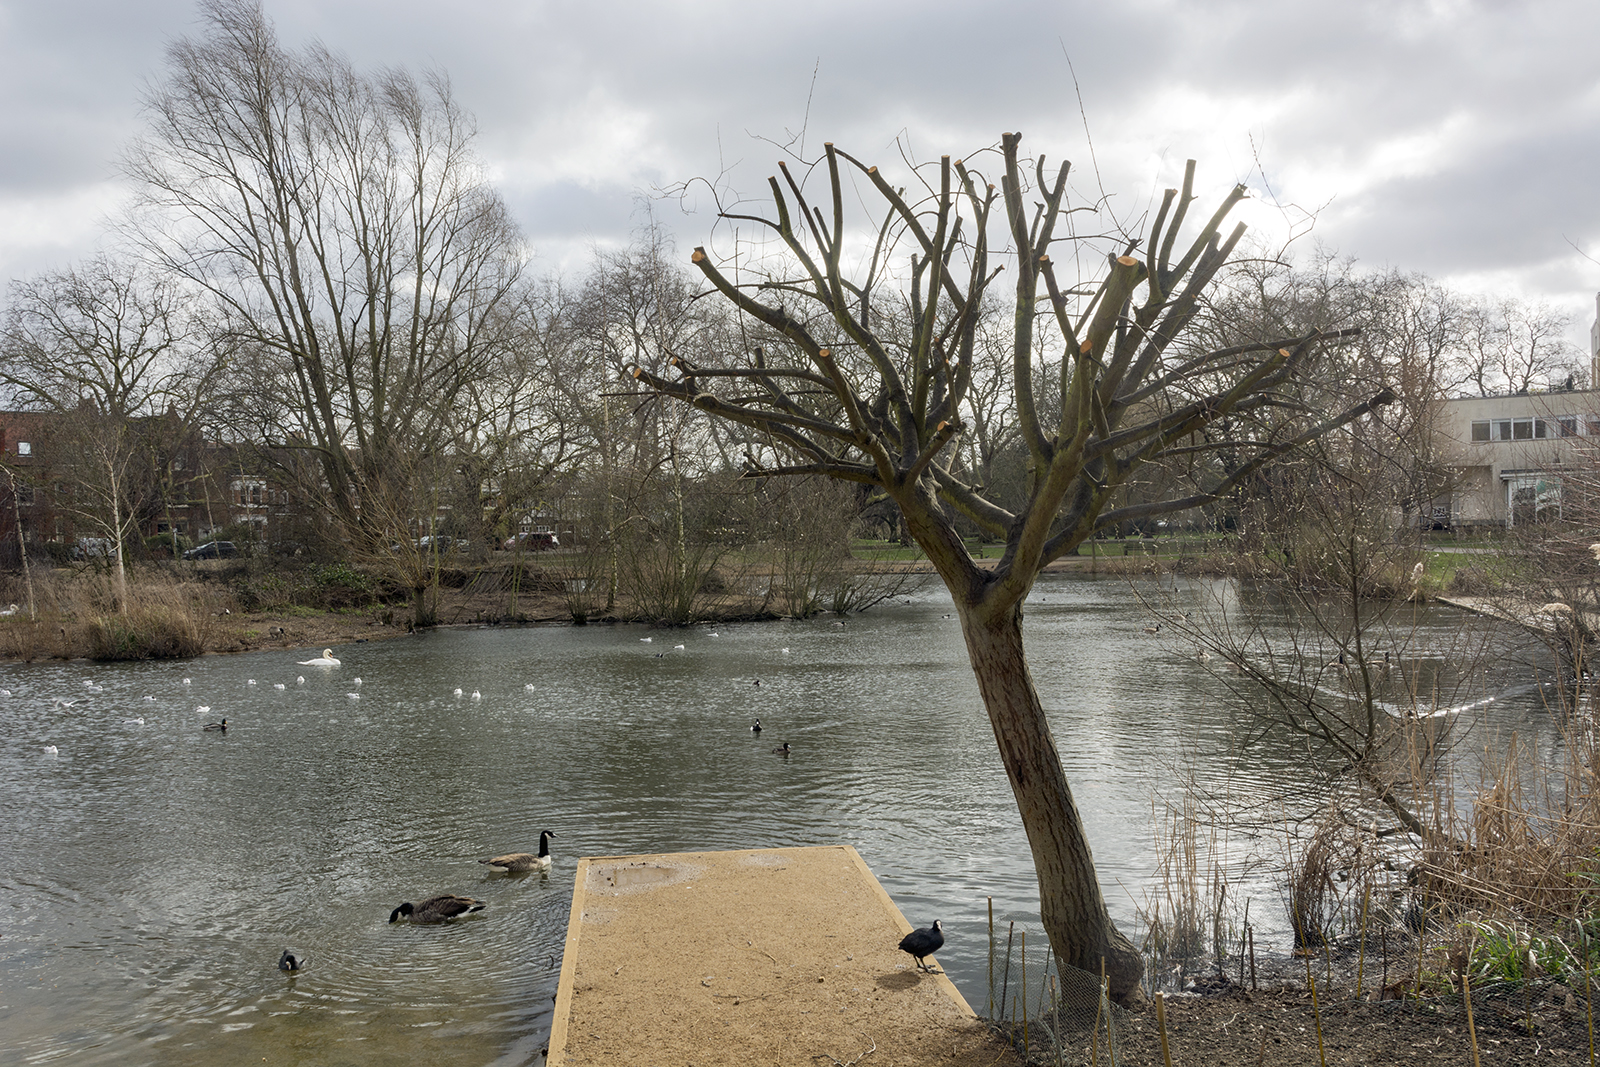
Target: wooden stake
(991, 957)
(1361, 959)
(1472, 1031)
(1161, 1028)
(1316, 1012)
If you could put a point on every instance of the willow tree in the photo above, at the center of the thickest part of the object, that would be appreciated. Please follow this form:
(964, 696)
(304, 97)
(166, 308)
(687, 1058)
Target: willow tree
(841, 389)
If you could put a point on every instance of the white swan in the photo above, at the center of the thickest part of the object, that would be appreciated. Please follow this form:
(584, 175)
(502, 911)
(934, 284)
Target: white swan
(278, 685)
(324, 660)
(51, 750)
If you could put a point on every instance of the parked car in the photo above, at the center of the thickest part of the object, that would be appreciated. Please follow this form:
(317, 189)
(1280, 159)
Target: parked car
(92, 548)
(443, 544)
(212, 550)
(538, 541)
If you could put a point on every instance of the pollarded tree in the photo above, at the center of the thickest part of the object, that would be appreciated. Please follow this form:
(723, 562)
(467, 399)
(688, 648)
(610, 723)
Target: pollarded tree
(833, 393)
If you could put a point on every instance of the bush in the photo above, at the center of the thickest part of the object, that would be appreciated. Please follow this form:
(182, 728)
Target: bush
(340, 586)
(147, 632)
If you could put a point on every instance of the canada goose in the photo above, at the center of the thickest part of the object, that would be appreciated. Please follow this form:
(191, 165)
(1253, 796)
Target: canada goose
(922, 943)
(781, 750)
(288, 964)
(756, 729)
(436, 909)
(324, 660)
(219, 726)
(522, 861)
(1153, 629)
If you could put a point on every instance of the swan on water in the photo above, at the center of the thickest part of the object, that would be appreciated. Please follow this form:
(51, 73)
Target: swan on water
(324, 660)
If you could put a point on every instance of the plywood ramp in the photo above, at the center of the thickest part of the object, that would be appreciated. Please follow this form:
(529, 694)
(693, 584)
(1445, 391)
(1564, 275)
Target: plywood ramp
(784, 956)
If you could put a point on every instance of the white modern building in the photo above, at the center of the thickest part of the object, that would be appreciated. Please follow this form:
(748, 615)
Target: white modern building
(1515, 457)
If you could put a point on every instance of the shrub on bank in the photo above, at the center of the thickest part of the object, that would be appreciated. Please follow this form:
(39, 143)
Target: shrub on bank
(159, 631)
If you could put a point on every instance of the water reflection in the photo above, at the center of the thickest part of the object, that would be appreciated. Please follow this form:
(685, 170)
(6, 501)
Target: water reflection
(154, 873)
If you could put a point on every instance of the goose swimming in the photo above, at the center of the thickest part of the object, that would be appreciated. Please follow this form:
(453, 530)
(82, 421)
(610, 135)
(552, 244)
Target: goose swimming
(221, 727)
(516, 862)
(436, 909)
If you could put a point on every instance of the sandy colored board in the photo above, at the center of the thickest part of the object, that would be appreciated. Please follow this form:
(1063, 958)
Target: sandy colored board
(773, 956)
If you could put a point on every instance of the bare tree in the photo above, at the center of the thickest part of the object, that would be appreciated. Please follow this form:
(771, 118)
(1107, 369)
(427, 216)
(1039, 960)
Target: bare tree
(350, 243)
(110, 349)
(839, 397)
(1515, 347)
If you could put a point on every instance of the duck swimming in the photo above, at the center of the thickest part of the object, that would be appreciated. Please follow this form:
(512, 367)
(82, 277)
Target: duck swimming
(522, 861)
(288, 964)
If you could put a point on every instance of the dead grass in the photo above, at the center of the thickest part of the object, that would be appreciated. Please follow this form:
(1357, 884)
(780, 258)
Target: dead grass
(76, 614)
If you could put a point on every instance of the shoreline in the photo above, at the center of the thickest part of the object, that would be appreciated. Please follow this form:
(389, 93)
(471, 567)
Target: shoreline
(226, 631)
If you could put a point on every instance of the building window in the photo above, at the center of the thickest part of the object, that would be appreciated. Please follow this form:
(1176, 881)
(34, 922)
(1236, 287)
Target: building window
(24, 448)
(1569, 425)
(1526, 429)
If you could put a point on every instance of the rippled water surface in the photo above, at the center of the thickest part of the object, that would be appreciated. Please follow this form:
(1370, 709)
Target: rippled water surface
(153, 872)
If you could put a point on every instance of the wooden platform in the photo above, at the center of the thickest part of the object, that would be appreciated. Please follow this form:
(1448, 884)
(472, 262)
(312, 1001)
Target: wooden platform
(772, 956)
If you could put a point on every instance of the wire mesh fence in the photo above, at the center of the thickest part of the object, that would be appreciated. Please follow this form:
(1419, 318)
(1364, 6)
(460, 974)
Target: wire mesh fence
(1376, 1003)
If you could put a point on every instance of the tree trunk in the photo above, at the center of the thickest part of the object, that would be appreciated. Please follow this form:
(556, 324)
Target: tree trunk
(1070, 902)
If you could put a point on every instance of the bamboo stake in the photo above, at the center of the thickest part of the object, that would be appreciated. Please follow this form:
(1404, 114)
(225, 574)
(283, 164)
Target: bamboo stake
(1472, 1031)
(991, 957)
(1055, 1007)
(1250, 932)
(1588, 989)
(1361, 959)
(1024, 992)
(1161, 1028)
(1316, 1012)
(1111, 1033)
(1005, 978)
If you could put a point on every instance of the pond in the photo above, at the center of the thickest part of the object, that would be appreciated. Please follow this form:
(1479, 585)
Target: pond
(153, 871)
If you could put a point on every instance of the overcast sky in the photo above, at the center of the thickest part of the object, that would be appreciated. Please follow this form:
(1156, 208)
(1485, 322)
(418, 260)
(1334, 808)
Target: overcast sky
(1454, 138)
